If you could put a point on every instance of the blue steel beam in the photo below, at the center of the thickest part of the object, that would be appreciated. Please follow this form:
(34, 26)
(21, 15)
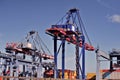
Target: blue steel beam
(83, 57)
(55, 57)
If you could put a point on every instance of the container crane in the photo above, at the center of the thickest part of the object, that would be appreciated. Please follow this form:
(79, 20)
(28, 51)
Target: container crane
(33, 46)
(115, 53)
(32, 42)
(71, 29)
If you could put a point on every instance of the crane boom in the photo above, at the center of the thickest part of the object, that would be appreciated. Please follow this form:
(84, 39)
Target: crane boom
(60, 31)
(32, 43)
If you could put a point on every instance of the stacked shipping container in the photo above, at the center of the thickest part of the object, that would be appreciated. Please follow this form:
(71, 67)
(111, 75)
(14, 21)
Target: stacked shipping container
(68, 74)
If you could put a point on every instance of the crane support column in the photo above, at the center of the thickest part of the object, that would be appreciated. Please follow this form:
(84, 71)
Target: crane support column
(55, 57)
(11, 68)
(77, 57)
(111, 62)
(63, 57)
(83, 57)
(98, 65)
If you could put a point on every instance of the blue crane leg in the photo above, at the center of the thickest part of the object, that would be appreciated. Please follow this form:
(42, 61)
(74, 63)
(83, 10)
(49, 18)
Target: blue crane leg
(55, 57)
(83, 57)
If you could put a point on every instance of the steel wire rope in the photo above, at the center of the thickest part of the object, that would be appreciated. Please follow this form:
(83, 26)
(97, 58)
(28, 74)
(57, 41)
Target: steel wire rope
(82, 26)
(39, 45)
(73, 18)
(39, 38)
(61, 20)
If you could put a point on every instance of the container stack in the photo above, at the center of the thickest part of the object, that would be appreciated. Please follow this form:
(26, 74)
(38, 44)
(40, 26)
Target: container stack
(68, 74)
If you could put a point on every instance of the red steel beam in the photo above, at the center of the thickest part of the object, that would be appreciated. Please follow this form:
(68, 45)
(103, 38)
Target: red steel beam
(60, 32)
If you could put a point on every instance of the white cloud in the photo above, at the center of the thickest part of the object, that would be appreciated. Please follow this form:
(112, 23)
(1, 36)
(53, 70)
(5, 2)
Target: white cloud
(114, 18)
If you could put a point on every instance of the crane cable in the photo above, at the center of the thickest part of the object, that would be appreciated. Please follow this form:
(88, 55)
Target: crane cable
(61, 20)
(35, 42)
(82, 26)
(40, 47)
(44, 44)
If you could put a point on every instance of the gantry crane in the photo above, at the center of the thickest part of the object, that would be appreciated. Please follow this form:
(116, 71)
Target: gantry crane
(71, 29)
(33, 46)
(32, 42)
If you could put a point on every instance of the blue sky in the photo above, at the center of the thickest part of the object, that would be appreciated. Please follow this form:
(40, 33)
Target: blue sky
(100, 17)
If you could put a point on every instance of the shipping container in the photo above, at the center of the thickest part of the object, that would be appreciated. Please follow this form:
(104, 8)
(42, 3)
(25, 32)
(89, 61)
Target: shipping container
(91, 76)
(68, 74)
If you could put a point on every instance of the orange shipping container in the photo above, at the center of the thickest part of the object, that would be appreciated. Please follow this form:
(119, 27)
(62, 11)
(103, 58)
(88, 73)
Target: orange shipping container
(68, 74)
(90, 76)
